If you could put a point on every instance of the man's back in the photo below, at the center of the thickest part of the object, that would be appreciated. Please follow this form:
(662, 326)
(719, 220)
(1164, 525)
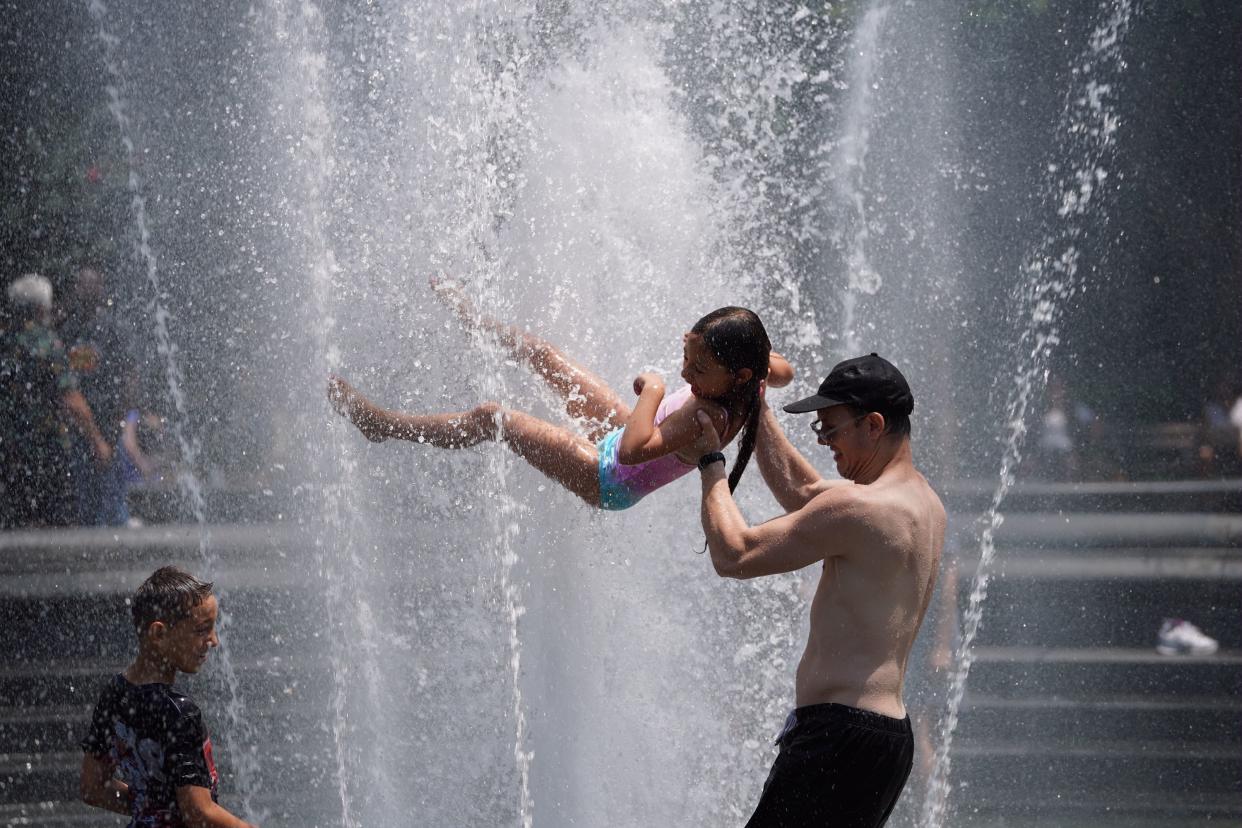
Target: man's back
(878, 575)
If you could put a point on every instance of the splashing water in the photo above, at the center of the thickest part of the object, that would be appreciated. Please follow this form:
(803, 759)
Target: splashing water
(849, 184)
(581, 180)
(497, 101)
(299, 28)
(1050, 278)
(238, 737)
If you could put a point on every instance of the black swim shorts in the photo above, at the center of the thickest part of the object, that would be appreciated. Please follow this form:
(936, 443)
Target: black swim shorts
(838, 766)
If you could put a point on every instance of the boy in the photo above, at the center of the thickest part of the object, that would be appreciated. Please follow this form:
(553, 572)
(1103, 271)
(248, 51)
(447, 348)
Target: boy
(146, 732)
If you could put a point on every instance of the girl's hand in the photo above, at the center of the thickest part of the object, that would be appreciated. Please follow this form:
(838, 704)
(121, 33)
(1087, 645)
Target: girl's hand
(647, 379)
(780, 372)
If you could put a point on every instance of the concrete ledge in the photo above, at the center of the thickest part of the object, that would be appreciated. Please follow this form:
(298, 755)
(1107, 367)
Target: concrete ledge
(1098, 655)
(1095, 529)
(1129, 565)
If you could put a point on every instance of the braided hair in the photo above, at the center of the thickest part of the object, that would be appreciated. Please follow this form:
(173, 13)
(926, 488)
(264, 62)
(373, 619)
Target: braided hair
(737, 338)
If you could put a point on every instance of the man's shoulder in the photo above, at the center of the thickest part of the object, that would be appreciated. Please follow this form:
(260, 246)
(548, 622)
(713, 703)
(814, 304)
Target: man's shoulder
(837, 504)
(874, 507)
(837, 495)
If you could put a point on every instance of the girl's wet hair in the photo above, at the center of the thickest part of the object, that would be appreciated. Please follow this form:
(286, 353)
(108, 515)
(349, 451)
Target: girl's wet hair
(169, 595)
(737, 338)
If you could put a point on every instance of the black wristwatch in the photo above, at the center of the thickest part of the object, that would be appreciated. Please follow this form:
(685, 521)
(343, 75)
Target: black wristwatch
(711, 457)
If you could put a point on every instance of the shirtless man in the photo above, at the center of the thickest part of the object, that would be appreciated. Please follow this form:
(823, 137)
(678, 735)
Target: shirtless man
(847, 748)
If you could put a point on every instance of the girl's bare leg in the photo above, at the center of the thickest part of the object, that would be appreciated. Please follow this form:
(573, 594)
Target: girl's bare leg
(561, 455)
(379, 424)
(586, 395)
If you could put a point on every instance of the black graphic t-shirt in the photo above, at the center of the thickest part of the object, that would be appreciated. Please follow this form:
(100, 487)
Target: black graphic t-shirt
(156, 738)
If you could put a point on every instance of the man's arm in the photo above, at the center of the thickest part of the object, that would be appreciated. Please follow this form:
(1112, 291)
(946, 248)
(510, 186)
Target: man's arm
(783, 544)
(946, 626)
(790, 476)
(199, 811)
(97, 786)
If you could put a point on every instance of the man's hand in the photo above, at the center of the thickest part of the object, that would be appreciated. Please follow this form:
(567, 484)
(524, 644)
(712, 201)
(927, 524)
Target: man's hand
(708, 440)
(645, 379)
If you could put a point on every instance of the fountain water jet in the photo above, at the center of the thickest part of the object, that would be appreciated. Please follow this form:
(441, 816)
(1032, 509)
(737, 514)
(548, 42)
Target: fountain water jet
(550, 661)
(849, 187)
(238, 735)
(1050, 277)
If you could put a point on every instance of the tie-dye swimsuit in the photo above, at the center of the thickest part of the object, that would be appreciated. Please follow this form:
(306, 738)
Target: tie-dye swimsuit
(621, 486)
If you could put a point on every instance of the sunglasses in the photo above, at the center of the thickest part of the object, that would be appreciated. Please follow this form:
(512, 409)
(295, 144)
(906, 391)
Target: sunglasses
(826, 434)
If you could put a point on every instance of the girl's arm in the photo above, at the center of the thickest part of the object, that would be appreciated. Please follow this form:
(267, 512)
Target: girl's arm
(678, 431)
(640, 427)
(780, 372)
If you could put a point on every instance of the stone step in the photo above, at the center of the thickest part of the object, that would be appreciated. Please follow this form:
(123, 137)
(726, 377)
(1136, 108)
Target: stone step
(57, 814)
(1101, 496)
(1059, 563)
(1103, 530)
(1184, 720)
(314, 808)
(97, 626)
(1095, 769)
(61, 727)
(1036, 611)
(77, 682)
(52, 776)
(970, 806)
(1098, 672)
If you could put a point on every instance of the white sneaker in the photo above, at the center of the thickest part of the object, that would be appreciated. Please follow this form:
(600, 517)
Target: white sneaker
(1179, 637)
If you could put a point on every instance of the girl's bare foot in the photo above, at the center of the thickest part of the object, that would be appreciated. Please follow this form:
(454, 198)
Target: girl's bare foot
(366, 415)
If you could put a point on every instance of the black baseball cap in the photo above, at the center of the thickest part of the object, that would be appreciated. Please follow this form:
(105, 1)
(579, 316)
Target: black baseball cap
(870, 382)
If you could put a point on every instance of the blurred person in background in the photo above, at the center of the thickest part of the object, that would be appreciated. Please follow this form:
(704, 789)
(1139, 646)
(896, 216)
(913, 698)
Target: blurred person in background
(42, 412)
(1219, 452)
(1063, 427)
(143, 454)
(101, 355)
(1235, 417)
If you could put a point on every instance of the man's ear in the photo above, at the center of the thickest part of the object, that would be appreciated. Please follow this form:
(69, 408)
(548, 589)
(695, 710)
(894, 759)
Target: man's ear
(876, 422)
(156, 630)
(744, 375)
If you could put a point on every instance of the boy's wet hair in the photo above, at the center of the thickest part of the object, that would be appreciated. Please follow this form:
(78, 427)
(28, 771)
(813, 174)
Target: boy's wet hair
(170, 594)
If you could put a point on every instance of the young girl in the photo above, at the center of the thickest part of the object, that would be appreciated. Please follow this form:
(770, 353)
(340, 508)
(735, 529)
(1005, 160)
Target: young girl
(727, 360)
